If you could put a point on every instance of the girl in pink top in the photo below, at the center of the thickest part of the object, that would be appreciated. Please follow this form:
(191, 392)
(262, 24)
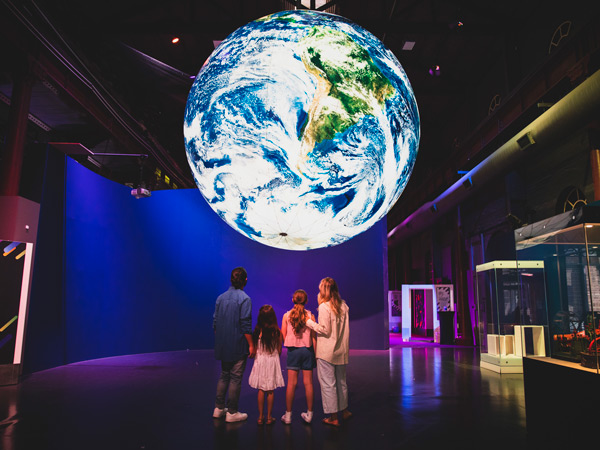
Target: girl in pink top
(300, 342)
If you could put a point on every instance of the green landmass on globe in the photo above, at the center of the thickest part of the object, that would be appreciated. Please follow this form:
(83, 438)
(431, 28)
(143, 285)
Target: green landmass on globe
(350, 85)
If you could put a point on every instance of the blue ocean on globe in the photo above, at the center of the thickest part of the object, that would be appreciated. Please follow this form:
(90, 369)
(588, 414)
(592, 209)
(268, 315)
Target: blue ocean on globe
(301, 130)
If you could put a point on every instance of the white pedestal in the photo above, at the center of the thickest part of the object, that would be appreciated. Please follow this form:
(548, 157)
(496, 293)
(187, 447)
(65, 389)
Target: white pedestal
(493, 344)
(501, 344)
(539, 346)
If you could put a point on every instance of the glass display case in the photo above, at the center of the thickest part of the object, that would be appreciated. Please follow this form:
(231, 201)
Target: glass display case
(509, 297)
(568, 245)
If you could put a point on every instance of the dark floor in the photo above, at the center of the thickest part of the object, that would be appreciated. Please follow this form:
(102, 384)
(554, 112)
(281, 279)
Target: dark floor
(419, 396)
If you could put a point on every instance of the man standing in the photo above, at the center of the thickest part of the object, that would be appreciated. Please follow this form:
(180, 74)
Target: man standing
(232, 323)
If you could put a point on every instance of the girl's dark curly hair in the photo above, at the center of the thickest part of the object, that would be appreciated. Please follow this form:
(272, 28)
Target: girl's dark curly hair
(267, 330)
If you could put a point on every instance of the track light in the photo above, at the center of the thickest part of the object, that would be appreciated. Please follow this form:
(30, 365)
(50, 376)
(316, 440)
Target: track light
(456, 25)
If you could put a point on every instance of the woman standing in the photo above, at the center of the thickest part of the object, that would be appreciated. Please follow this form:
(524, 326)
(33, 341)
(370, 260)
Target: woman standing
(333, 337)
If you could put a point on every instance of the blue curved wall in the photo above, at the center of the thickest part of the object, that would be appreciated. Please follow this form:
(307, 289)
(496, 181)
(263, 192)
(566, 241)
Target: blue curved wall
(143, 275)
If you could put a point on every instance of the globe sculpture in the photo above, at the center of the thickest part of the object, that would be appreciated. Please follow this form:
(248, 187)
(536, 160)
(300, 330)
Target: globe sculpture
(301, 130)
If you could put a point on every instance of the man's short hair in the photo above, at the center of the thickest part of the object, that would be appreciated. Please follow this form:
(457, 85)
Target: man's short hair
(239, 277)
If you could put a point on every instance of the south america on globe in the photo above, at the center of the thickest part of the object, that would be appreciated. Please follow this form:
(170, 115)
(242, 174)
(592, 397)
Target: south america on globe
(301, 130)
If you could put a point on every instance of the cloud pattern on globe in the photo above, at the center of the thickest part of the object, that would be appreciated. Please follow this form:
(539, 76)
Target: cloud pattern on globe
(301, 130)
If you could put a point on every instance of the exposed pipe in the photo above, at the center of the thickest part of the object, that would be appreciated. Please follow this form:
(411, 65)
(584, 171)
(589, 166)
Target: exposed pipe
(569, 113)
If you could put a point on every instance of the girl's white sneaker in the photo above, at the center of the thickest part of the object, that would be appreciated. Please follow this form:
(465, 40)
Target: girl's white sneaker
(235, 417)
(307, 416)
(287, 418)
(218, 412)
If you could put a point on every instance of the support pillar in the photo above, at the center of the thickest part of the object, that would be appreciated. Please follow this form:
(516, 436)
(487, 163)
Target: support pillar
(12, 161)
(18, 226)
(462, 294)
(595, 164)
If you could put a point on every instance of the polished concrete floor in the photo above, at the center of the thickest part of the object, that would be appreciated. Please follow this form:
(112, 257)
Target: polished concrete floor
(418, 396)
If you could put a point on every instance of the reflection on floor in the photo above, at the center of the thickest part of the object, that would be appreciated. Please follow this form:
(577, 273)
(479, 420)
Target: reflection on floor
(421, 396)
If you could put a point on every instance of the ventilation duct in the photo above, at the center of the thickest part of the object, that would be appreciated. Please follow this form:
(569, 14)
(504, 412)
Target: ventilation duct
(575, 109)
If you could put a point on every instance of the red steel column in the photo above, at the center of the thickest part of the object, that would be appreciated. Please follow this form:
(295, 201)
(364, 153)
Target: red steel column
(12, 160)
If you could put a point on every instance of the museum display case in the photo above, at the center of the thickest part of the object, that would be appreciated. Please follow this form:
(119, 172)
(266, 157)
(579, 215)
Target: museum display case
(568, 245)
(510, 323)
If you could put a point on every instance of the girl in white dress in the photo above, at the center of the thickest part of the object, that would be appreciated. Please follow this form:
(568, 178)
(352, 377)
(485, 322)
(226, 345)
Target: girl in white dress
(266, 372)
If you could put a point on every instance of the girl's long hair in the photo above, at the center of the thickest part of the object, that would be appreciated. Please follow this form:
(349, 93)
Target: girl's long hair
(329, 292)
(266, 329)
(298, 314)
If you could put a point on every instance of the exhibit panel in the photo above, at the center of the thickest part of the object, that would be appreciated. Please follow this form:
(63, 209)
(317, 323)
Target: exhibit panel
(395, 311)
(507, 326)
(568, 245)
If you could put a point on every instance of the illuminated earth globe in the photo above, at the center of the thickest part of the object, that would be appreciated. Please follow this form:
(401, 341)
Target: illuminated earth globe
(301, 130)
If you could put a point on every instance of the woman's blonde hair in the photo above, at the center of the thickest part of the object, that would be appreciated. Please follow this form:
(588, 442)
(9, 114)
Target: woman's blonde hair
(298, 313)
(329, 292)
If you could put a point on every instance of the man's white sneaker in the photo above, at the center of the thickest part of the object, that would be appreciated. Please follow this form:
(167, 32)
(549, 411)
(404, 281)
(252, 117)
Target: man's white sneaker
(307, 416)
(236, 417)
(218, 412)
(287, 418)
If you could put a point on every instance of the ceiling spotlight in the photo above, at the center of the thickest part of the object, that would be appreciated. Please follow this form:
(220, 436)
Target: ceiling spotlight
(456, 25)
(175, 40)
(435, 70)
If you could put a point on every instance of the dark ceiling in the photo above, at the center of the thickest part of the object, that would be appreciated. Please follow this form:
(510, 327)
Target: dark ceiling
(109, 77)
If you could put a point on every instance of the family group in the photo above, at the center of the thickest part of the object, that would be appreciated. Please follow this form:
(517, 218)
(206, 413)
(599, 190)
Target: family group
(322, 343)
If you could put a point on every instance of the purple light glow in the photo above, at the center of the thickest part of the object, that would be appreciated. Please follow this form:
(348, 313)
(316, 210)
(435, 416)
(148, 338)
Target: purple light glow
(435, 70)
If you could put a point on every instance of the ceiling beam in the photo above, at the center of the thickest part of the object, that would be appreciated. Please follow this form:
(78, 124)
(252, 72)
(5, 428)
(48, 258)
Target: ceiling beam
(88, 95)
(213, 26)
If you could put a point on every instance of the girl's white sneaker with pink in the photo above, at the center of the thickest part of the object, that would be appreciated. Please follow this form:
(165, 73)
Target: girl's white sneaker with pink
(307, 416)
